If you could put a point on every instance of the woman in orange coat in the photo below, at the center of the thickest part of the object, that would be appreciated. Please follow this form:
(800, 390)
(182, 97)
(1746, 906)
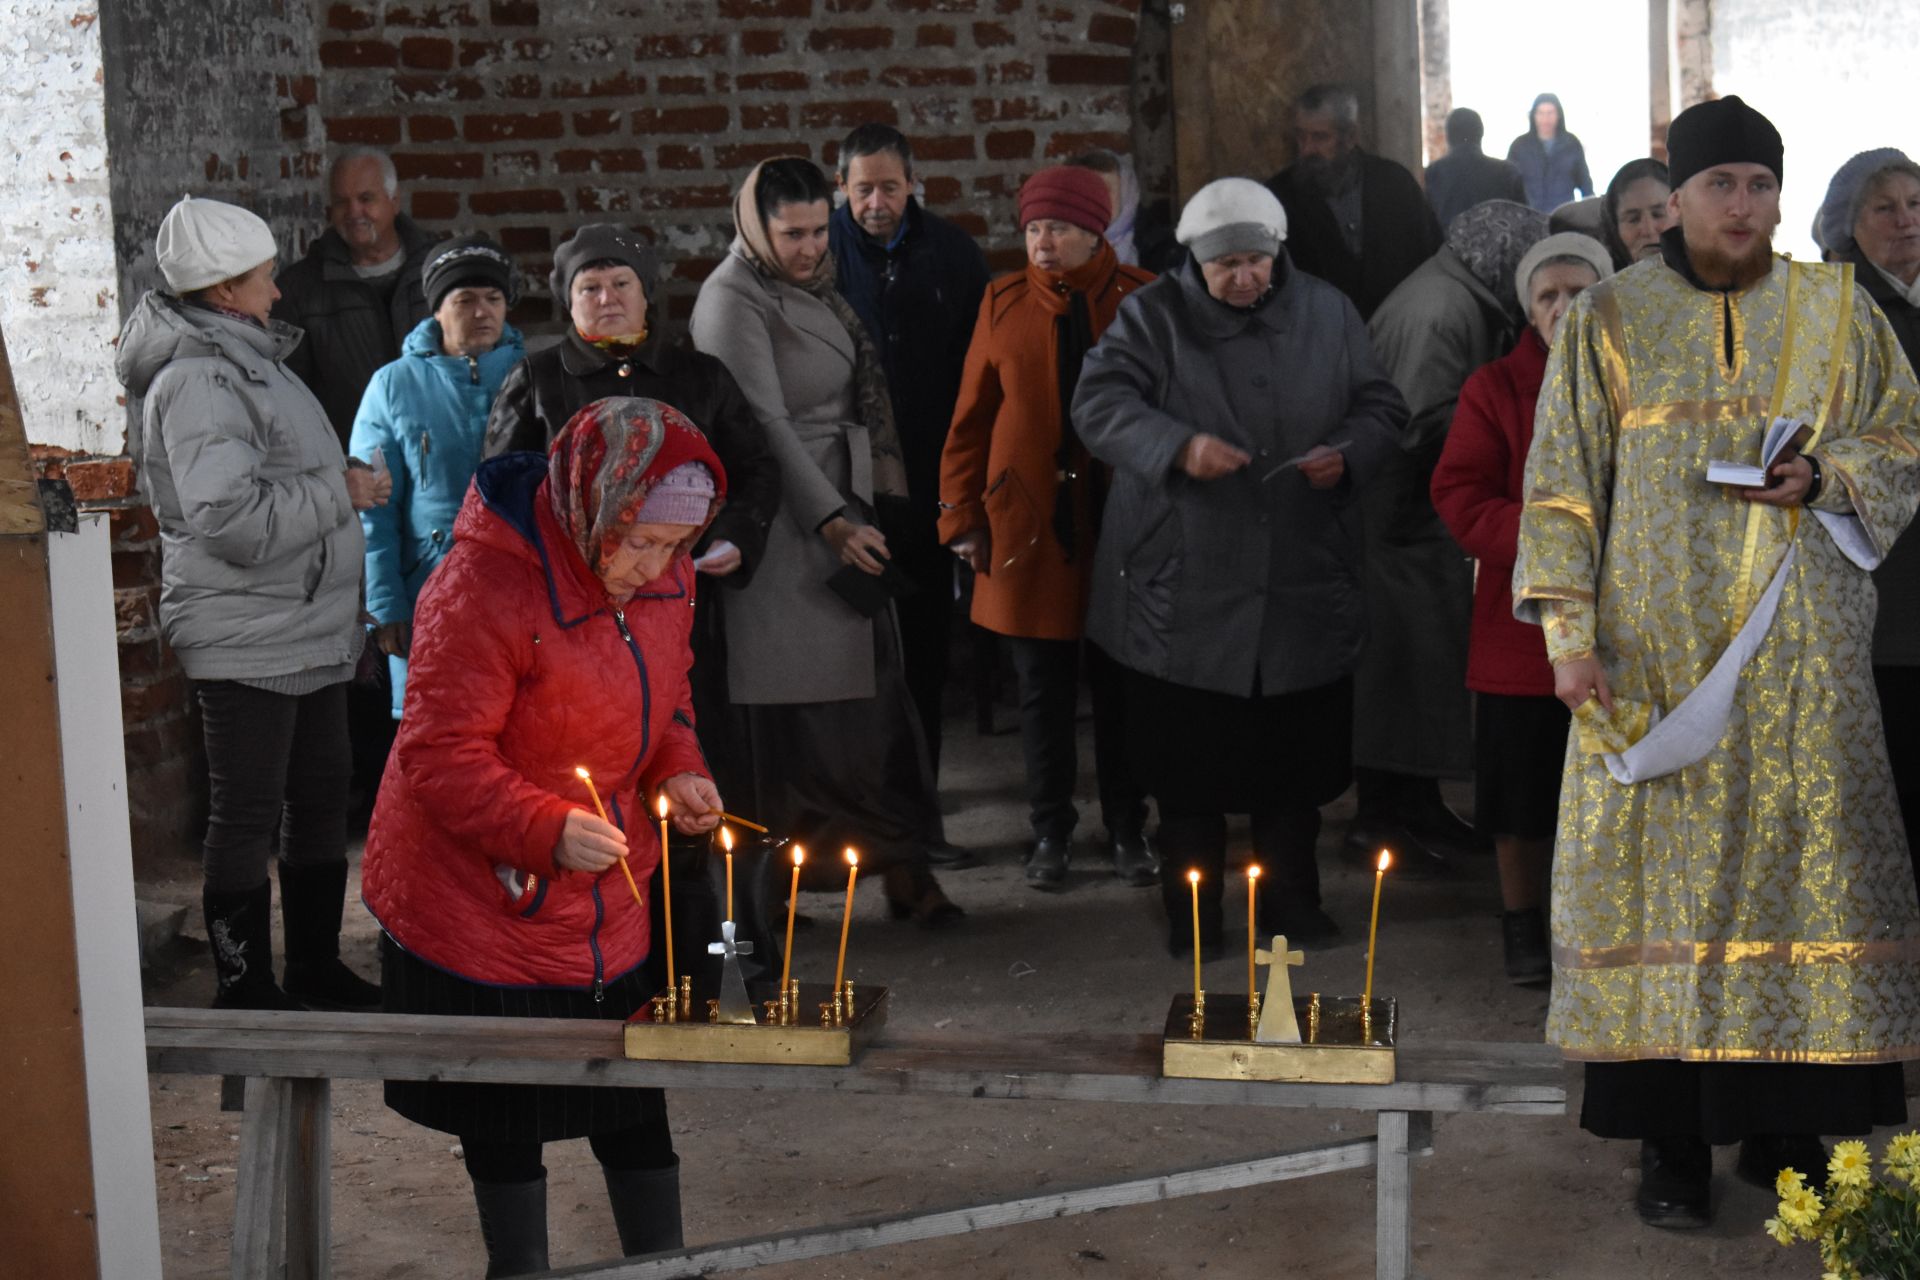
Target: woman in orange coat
(1020, 503)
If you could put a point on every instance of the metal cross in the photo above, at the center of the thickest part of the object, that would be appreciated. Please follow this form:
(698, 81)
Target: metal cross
(734, 1005)
(1277, 1023)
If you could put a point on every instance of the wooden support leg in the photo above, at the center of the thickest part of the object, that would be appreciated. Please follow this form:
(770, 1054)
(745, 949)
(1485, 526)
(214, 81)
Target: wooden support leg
(310, 1181)
(1402, 1135)
(260, 1181)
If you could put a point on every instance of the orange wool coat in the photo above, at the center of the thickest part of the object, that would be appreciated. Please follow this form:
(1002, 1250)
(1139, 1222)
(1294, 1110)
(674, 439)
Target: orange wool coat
(1000, 464)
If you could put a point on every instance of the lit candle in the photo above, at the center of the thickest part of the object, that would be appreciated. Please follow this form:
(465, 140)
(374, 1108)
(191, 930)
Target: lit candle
(1373, 929)
(793, 898)
(726, 840)
(666, 887)
(741, 822)
(1253, 893)
(846, 921)
(1193, 880)
(602, 811)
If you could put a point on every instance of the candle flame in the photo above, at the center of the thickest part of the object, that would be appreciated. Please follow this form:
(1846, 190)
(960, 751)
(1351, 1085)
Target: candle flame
(853, 859)
(1193, 877)
(799, 855)
(726, 838)
(1386, 859)
(1253, 871)
(660, 805)
(581, 771)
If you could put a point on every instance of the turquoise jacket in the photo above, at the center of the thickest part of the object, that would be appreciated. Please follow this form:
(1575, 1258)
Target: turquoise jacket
(427, 414)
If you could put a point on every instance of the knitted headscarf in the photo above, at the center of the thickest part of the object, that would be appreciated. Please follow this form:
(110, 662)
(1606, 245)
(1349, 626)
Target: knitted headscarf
(1492, 237)
(872, 401)
(611, 456)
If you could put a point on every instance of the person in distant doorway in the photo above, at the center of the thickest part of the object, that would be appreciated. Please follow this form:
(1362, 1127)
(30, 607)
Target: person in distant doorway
(1551, 161)
(1466, 175)
(1636, 212)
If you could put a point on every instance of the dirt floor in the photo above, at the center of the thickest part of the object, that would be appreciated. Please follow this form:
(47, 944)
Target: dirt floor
(1500, 1196)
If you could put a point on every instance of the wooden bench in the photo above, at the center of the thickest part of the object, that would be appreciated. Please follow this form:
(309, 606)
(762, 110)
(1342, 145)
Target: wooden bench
(282, 1193)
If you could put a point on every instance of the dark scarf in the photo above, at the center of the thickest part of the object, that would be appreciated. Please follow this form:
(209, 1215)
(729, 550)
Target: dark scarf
(1073, 337)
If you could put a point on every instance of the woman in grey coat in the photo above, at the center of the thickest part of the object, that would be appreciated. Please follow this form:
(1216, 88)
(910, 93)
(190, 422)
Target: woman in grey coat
(261, 559)
(823, 713)
(1240, 405)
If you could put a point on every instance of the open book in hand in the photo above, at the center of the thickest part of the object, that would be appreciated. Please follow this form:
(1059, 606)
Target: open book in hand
(1783, 432)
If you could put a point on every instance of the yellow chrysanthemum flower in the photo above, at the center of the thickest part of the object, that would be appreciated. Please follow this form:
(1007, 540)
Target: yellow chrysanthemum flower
(1850, 1165)
(1800, 1207)
(1791, 1180)
(1780, 1231)
(1903, 1154)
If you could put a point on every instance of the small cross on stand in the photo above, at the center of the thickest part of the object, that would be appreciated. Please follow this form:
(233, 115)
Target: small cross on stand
(1277, 1023)
(733, 1005)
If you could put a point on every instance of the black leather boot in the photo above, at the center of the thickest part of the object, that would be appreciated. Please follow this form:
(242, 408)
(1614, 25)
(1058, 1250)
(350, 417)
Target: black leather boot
(513, 1222)
(1676, 1183)
(1047, 862)
(240, 932)
(646, 1208)
(1525, 936)
(311, 901)
(1134, 860)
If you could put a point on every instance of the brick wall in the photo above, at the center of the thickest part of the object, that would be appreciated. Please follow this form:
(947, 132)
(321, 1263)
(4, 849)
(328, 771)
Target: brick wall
(525, 118)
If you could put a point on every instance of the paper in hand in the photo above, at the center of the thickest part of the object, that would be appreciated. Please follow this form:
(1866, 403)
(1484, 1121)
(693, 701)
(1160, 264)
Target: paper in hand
(1294, 462)
(1783, 432)
(377, 461)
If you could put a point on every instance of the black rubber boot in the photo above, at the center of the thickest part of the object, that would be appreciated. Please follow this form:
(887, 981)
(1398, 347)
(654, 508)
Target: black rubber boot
(513, 1222)
(646, 1208)
(311, 900)
(240, 932)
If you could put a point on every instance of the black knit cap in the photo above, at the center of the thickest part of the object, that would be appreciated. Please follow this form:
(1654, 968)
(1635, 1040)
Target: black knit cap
(1724, 131)
(464, 261)
(599, 242)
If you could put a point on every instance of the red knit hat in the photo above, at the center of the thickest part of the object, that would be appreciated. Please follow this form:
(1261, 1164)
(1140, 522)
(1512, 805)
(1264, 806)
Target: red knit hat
(1069, 194)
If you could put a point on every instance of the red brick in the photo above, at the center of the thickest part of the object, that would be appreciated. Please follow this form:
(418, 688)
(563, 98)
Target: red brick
(1018, 71)
(435, 206)
(101, 481)
(737, 9)
(943, 190)
(475, 52)
(348, 17)
(1111, 28)
(845, 115)
(1010, 144)
(526, 239)
(695, 269)
(427, 53)
(434, 15)
(672, 156)
(1088, 68)
(507, 128)
(687, 196)
(619, 85)
(849, 78)
(658, 48)
(513, 167)
(524, 86)
(762, 43)
(958, 146)
(849, 6)
(410, 89)
(998, 260)
(778, 81)
(357, 53)
(849, 39)
(927, 77)
(712, 118)
(160, 742)
(130, 526)
(293, 128)
(608, 160)
(412, 165)
(303, 90)
(602, 200)
(141, 702)
(992, 35)
(936, 36)
(367, 131)
(593, 124)
(514, 13)
(538, 200)
(765, 116)
(431, 129)
(682, 84)
(931, 6)
(744, 155)
(1072, 144)
(139, 567)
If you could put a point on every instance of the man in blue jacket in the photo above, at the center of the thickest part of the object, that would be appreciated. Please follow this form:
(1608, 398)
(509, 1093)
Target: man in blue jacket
(916, 281)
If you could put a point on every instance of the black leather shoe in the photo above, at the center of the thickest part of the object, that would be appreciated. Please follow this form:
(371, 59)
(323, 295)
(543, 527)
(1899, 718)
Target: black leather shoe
(1676, 1183)
(1525, 935)
(1135, 862)
(1764, 1155)
(1413, 857)
(1047, 864)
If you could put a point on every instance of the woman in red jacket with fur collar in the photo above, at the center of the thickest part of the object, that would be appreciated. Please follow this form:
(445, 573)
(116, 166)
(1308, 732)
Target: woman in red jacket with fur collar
(555, 634)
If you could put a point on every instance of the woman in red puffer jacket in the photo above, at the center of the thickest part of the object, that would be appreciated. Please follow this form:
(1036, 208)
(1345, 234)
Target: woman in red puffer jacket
(555, 634)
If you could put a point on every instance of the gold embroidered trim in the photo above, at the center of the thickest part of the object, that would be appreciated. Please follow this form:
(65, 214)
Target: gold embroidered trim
(1543, 500)
(1576, 595)
(1861, 1057)
(1690, 411)
(1613, 358)
(1698, 954)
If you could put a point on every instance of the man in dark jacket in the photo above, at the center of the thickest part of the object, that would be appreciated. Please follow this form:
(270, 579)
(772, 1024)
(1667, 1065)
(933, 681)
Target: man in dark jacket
(916, 281)
(1358, 221)
(1466, 175)
(358, 291)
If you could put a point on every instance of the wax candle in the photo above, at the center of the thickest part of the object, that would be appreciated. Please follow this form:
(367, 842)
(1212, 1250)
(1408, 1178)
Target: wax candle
(846, 920)
(601, 809)
(726, 842)
(666, 886)
(1373, 928)
(793, 898)
(1253, 894)
(741, 822)
(1193, 882)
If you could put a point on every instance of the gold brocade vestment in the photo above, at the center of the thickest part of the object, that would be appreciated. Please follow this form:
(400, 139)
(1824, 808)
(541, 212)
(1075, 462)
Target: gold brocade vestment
(1758, 904)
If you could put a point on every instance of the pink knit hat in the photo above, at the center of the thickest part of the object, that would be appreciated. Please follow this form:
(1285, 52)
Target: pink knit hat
(683, 496)
(1070, 194)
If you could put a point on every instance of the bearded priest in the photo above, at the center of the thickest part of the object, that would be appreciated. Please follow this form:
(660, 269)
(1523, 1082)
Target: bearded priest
(1736, 941)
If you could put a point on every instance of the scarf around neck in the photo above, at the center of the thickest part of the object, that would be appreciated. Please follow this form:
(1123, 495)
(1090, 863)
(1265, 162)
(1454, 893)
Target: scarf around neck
(1068, 295)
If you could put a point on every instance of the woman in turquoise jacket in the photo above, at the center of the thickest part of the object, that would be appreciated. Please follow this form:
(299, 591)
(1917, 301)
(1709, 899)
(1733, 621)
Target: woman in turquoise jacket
(426, 415)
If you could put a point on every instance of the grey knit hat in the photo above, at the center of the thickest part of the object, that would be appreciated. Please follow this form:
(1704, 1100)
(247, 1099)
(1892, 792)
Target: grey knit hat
(599, 242)
(1572, 245)
(1833, 225)
(683, 496)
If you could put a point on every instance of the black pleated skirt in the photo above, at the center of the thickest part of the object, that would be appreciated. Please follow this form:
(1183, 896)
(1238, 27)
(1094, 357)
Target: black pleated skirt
(1520, 754)
(1730, 1101)
(512, 1112)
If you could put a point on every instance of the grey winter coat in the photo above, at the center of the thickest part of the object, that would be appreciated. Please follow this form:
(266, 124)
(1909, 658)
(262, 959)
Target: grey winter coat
(1225, 584)
(789, 637)
(261, 552)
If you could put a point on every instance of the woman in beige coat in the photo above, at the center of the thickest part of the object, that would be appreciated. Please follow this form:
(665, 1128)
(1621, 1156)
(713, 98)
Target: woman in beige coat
(817, 685)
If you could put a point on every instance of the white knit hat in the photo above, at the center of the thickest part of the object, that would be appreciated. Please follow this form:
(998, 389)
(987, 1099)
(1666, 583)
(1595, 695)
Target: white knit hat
(203, 242)
(1564, 244)
(1232, 215)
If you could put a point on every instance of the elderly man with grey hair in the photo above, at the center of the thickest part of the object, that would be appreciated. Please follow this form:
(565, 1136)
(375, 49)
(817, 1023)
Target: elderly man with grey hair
(1356, 220)
(358, 291)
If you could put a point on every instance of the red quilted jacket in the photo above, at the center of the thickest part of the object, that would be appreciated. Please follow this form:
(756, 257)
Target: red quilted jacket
(520, 670)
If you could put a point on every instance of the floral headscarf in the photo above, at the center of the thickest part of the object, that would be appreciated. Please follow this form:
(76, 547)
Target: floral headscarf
(609, 458)
(1492, 237)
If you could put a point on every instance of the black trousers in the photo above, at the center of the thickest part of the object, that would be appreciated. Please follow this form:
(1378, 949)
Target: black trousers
(1048, 672)
(278, 773)
(1900, 712)
(1284, 836)
(645, 1146)
(926, 616)
(1725, 1102)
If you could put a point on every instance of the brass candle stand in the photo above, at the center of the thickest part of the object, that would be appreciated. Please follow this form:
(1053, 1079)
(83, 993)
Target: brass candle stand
(1340, 1042)
(840, 1025)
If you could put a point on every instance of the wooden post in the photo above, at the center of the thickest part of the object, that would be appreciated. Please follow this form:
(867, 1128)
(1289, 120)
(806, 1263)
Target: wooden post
(310, 1181)
(1402, 1135)
(1396, 83)
(260, 1180)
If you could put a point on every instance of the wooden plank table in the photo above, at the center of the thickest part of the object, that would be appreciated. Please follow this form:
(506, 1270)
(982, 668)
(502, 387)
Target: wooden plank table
(281, 1202)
